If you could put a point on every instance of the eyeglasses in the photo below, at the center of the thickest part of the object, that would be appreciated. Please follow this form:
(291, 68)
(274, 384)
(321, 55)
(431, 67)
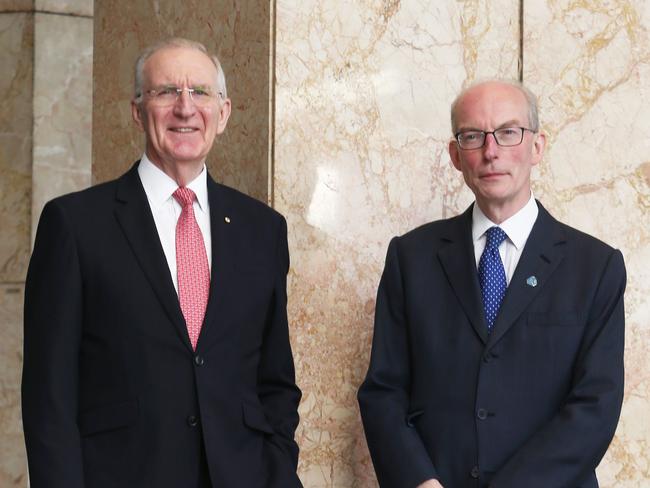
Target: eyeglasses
(168, 95)
(506, 137)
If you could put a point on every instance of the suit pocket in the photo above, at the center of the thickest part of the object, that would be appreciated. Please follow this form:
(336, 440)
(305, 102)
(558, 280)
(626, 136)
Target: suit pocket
(553, 319)
(255, 419)
(108, 417)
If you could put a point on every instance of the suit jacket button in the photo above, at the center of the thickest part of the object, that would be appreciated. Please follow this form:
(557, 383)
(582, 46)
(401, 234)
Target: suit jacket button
(192, 420)
(475, 472)
(487, 357)
(481, 413)
(198, 360)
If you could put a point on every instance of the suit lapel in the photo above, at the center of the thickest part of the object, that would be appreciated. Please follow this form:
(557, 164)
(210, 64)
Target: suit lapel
(134, 217)
(541, 256)
(457, 259)
(222, 220)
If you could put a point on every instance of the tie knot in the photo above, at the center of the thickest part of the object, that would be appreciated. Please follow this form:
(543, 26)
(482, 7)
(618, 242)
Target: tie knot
(184, 196)
(495, 236)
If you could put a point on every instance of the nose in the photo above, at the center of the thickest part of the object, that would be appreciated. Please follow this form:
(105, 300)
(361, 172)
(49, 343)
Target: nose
(184, 106)
(490, 147)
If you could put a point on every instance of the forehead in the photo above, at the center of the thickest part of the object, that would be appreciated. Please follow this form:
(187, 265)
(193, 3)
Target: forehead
(178, 65)
(489, 105)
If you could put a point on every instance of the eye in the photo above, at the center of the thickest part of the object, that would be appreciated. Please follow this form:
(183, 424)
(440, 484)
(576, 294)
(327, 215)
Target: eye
(470, 136)
(509, 131)
(201, 92)
(166, 91)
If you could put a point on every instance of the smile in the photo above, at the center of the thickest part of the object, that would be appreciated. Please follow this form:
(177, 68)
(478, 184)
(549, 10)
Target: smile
(183, 130)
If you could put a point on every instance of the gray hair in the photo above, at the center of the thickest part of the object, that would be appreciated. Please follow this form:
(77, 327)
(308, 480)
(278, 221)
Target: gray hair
(531, 99)
(172, 43)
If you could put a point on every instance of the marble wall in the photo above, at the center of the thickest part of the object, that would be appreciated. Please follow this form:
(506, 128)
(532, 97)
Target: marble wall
(63, 63)
(16, 91)
(45, 131)
(590, 64)
(362, 103)
(341, 122)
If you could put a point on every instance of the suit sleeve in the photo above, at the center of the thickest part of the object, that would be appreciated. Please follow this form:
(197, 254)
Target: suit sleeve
(569, 447)
(52, 327)
(277, 388)
(398, 454)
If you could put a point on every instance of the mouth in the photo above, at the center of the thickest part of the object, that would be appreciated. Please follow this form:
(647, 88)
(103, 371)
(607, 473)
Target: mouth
(492, 174)
(183, 130)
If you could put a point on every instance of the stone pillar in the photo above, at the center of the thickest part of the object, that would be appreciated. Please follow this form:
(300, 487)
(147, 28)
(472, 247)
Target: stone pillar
(16, 120)
(45, 85)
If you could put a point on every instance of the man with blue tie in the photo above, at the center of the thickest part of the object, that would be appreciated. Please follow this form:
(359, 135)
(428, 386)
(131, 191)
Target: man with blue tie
(497, 357)
(157, 348)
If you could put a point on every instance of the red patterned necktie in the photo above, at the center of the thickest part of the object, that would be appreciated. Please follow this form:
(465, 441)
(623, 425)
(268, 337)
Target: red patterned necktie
(192, 265)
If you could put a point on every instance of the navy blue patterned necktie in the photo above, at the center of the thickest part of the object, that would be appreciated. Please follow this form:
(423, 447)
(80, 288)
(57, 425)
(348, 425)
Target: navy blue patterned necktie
(492, 275)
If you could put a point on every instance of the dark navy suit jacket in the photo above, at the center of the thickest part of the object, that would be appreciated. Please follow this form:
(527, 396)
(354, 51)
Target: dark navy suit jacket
(535, 403)
(113, 394)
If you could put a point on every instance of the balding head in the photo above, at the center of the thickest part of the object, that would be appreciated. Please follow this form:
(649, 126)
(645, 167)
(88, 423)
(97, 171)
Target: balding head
(530, 98)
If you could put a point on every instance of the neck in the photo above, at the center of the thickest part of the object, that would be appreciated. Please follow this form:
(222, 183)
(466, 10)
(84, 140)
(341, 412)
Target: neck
(182, 173)
(498, 213)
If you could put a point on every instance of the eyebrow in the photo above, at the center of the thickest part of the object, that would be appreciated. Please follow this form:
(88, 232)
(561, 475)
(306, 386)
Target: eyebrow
(176, 85)
(509, 123)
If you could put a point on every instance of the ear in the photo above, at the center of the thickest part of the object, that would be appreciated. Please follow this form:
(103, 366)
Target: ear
(454, 153)
(539, 144)
(223, 115)
(137, 114)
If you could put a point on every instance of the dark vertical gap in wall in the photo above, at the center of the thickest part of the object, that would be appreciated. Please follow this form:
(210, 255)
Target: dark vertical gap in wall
(521, 41)
(272, 34)
(32, 229)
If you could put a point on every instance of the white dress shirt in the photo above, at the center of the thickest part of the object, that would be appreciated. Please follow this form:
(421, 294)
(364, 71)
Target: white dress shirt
(159, 188)
(517, 228)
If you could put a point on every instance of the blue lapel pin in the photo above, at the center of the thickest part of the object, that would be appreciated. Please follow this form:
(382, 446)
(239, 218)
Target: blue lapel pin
(531, 281)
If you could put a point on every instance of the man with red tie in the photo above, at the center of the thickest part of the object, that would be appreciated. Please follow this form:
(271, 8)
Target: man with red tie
(497, 357)
(156, 349)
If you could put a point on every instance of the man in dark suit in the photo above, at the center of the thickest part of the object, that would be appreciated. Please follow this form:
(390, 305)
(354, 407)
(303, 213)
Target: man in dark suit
(156, 342)
(497, 357)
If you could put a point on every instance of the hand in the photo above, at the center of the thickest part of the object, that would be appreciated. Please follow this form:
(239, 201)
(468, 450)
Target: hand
(430, 484)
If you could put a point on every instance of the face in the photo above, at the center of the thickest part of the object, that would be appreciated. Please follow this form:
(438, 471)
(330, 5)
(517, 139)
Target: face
(181, 134)
(498, 176)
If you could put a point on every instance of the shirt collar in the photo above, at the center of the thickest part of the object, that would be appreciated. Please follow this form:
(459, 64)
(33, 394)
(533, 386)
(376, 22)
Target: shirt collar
(159, 187)
(517, 227)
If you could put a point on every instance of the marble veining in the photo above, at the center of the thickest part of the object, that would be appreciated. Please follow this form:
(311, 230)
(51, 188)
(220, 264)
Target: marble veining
(16, 37)
(63, 57)
(590, 64)
(362, 125)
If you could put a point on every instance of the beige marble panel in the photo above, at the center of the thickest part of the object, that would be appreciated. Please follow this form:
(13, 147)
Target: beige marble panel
(63, 57)
(72, 7)
(16, 5)
(13, 464)
(238, 32)
(16, 39)
(590, 64)
(362, 107)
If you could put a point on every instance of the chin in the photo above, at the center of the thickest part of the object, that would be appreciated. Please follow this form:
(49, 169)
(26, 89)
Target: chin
(188, 156)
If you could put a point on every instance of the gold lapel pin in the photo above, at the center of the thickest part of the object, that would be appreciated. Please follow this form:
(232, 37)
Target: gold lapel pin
(226, 220)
